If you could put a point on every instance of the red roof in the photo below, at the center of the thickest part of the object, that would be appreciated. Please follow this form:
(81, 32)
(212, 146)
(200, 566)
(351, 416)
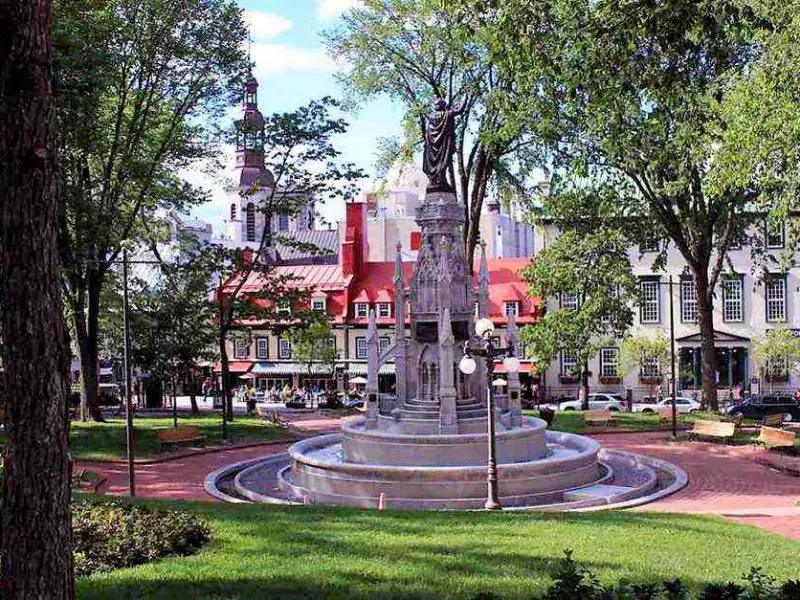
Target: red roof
(506, 285)
(235, 366)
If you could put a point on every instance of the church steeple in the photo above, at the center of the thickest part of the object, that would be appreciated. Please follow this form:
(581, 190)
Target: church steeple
(250, 139)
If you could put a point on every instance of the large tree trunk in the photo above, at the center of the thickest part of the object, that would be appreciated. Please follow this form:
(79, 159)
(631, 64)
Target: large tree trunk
(480, 180)
(583, 391)
(705, 320)
(36, 543)
(227, 400)
(86, 321)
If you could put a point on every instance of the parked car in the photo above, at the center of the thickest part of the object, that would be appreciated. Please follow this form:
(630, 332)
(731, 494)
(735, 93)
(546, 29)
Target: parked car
(651, 404)
(758, 407)
(597, 401)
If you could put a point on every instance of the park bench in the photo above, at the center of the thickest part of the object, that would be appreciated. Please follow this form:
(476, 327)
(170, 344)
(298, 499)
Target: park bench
(176, 436)
(775, 420)
(598, 417)
(665, 415)
(272, 415)
(772, 437)
(713, 429)
(90, 478)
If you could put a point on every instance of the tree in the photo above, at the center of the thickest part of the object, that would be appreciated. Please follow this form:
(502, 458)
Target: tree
(776, 353)
(140, 85)
(315, 346)
(589, 274)
(303, 165)
(643, 355)
(417, 50)
(633, 104)
(35, 544)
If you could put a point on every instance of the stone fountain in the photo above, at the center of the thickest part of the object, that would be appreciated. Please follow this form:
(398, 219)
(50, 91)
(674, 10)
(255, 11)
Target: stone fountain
(427, 446)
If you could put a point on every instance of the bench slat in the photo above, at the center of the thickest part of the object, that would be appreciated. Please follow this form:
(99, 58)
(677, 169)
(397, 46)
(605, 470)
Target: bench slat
(719, 429)
(772, 436)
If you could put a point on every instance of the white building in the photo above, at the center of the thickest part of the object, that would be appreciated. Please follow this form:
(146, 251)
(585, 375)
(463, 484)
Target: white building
(746, 305)
(391, 220)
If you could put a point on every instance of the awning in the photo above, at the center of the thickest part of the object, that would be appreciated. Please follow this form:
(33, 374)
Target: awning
(289, 368)
(361, 369)
(235, 366)
(523, 368)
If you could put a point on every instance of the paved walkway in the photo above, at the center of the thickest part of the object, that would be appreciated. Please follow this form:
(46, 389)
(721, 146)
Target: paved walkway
(723, 480)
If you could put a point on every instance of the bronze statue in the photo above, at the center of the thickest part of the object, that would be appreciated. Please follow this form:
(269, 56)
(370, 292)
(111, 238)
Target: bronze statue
(440, 140)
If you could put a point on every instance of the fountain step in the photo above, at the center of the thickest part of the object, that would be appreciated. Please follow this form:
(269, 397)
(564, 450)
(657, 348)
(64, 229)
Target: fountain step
(601, 491)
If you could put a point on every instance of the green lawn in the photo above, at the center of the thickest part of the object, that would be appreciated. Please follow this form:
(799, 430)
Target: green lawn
(572, 420)
(104, 441)
(314, 552)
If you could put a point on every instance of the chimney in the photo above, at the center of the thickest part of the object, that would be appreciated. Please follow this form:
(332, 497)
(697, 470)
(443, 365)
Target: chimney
(354, 246)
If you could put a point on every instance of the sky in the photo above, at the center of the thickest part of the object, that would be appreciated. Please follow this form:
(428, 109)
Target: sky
(292, 67)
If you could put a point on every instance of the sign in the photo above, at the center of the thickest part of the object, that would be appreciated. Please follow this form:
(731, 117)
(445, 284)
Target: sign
(754, 386)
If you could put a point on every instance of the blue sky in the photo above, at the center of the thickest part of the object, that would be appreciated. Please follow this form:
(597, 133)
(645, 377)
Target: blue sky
(292, 68)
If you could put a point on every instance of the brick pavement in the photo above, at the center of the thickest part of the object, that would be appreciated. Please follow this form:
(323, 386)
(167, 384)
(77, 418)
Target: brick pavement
(723, 480)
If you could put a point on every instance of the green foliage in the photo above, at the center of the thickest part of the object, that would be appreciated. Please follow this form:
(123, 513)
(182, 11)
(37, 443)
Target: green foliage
(777, 351)
(636, 351)
(573, 581)
(315, 345)
(113, 535)
(594, 268)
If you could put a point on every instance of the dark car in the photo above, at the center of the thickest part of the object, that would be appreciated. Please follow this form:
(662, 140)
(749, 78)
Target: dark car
(758, 407)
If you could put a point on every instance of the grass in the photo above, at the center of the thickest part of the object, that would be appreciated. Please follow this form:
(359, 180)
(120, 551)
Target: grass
(572, 421)
(317, 552)
(106, 441)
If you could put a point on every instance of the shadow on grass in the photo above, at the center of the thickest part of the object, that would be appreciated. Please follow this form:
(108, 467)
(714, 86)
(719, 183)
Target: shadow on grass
(317, 552)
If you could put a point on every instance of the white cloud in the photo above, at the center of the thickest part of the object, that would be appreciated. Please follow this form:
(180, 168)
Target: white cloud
(330, 9)
(273, 60)
(265, 25)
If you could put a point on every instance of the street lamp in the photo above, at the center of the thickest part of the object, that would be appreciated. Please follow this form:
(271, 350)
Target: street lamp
(484, 329)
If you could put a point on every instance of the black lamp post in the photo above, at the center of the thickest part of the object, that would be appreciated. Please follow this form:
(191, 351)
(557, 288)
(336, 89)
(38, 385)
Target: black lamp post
(490, 352)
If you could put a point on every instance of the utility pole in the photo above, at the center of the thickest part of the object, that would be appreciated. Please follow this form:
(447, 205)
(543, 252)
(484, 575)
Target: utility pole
(672, 359)
(128, 388)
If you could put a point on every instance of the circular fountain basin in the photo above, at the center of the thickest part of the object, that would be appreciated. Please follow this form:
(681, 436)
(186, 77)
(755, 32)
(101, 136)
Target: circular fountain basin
(365, 446)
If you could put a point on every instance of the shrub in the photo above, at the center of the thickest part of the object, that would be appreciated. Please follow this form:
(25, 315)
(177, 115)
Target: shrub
(112, 535)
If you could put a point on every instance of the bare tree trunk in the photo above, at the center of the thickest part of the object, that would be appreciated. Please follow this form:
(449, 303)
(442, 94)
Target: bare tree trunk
(86, 321)
(227, 400)
(473, 226)
(36, 544)
(583, 390)
(705, 320)
(192, 383)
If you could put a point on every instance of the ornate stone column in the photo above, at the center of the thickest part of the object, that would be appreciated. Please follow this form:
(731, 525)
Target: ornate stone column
(401, 347)
(447, 392)
(373, 364)
(514, 399)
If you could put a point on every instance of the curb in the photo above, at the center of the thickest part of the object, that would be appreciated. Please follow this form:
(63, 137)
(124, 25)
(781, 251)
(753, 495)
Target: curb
(791, 471)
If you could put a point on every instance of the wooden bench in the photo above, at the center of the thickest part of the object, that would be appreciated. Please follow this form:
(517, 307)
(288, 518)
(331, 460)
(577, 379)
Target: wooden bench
(90, 478)
(665, 415)
(176, 436)
(598, 417)
(772, 437)
(713, 429)
(775, 420)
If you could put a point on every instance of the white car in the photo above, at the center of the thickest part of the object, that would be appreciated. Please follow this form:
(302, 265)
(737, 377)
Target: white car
(651, 404)
(597, 401)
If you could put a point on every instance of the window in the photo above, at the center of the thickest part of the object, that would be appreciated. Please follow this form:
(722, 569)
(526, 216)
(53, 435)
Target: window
(284, 306)
(284, 348)
(384, 342)
(569, 362)
(318, 303)
(688, 301)
(262, 347)
(361, 347)
(233, 212)
(775, 299)
(283, 222)
(776, 234)
(251, 222)
(650, 308)
(609, 362)
(650, 245)
(511, 309)
(384, 309)
(651, 367)
(732, 300)
(362, 309)
(569, 302)
(241, 348)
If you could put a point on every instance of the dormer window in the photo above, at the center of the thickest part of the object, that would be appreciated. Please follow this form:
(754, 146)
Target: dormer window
(318, 303)
(384, 309)
(361, 310)
(569, 302)
(284, 306)
(511, 308)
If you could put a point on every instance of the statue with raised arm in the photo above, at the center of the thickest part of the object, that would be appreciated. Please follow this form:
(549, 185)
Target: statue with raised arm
(440, 141)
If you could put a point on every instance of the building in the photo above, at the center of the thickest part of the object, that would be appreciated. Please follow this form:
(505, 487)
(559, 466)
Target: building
(348, 291)
(746, 305)
(390, 220)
